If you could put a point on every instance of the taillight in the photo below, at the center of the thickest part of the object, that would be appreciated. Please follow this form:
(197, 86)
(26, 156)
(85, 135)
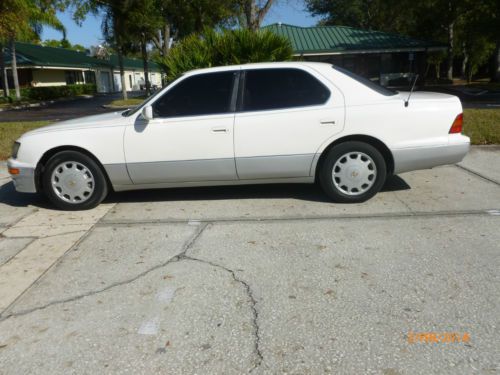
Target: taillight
(457, 124)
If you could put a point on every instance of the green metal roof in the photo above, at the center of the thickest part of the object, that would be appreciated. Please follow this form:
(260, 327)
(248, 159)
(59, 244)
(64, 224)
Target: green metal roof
(133, 64)
(34, 55)
(343, 39)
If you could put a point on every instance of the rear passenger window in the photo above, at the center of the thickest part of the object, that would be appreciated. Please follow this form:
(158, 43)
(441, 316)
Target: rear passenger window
(282, 88)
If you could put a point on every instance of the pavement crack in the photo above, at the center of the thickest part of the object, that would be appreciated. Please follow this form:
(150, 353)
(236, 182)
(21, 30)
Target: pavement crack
(410, 211)
(472, 172)
(253, 304)
(181, 255)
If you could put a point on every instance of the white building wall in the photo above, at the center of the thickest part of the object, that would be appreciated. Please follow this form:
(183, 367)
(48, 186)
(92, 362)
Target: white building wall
(133, 79)
(48, 77)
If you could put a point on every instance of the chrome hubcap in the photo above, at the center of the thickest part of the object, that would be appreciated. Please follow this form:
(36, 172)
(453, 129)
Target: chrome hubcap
(72, 182)
(354, 173)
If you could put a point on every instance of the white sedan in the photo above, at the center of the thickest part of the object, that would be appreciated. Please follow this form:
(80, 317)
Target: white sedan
(295, 122)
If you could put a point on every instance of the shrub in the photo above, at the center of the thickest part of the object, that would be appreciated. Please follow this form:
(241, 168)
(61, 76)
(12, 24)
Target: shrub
(55, 92)
(228, 47)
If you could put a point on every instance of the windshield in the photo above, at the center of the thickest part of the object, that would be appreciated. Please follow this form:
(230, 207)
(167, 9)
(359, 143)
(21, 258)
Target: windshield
(370, 84)
(133, 110)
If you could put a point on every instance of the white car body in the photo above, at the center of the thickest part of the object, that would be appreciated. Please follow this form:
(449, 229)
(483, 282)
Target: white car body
(270, 146)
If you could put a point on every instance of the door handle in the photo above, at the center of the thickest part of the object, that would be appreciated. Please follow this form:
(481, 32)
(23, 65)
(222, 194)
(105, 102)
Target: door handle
(327, 122)
(220, 130)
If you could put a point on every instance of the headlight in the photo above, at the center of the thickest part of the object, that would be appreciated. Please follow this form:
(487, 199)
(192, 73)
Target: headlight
(15, 149)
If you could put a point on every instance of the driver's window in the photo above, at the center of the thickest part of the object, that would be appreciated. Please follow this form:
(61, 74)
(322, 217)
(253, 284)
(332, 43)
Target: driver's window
(203, 94)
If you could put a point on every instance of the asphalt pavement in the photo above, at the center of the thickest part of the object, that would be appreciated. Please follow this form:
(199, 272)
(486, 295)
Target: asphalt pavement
(65, 109)
(264, 279)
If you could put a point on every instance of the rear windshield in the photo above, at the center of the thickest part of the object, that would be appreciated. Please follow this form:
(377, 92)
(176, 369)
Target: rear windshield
(370, 84)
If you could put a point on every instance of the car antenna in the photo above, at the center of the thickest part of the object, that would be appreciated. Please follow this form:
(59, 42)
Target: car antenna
(407, 101)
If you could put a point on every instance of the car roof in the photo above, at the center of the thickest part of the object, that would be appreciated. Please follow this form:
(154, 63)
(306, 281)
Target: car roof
(262, 65)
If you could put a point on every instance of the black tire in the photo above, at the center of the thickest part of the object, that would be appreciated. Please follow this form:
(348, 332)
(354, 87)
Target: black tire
(337, 194)
(100, 185)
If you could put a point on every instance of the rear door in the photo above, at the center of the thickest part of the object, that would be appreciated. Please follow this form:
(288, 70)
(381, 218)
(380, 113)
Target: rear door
(284, 115)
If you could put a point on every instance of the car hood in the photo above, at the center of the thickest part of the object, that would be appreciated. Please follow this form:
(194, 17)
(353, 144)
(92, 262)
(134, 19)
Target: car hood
(106, 119)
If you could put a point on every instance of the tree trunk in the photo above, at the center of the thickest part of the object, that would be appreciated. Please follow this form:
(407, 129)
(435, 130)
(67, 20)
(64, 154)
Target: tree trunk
(250, 9)
(3, 73)
(450, 50)
(166, 39)
(14, 69)
(144, 53)
(463, 73)
(495, 73)
(122, 74)
(255, 15)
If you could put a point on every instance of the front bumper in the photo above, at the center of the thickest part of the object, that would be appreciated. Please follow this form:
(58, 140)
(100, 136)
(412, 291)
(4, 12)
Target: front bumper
(411, 159)
(24, 182)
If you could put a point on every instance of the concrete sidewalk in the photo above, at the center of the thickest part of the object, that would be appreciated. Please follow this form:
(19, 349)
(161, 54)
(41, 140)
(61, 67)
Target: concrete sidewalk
(263, 279)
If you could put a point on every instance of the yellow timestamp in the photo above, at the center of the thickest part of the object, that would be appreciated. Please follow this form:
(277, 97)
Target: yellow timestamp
(437, 337)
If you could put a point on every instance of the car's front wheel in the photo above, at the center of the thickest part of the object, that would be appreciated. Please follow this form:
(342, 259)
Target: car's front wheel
(73, 181)
(352, 172)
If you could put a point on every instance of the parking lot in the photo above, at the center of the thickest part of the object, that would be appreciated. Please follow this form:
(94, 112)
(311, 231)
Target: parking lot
(262, 279)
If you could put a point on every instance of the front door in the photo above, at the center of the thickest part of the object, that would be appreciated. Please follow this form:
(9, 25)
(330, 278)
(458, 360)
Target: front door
(190, 138)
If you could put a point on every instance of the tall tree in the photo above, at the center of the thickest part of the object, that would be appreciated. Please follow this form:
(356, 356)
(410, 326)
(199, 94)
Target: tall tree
(439, 20)
(255, 11)
(115, 26)
(24, 20)
(383, 15)
(144, 21)
(115, 29)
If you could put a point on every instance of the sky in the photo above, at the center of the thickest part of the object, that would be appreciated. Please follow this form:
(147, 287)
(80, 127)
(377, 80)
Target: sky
(89, 34)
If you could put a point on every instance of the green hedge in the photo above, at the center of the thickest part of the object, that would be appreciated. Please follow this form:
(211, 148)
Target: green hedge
(55, 92)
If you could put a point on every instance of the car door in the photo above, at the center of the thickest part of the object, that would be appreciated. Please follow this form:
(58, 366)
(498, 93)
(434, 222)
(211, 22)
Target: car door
(284, 116)
(190, 137)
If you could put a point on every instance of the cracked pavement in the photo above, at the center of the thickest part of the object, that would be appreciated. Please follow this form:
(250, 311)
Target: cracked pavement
(257, 279)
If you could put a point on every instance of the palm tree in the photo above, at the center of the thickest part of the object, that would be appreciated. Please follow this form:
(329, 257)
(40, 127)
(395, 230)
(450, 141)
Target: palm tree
(116, 31)
(24, 20)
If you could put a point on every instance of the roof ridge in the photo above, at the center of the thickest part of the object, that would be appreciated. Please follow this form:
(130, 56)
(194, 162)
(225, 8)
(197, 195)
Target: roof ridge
(51, 47)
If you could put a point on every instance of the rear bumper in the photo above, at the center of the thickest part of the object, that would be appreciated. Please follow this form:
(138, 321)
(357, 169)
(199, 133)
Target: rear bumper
(24, 182)
(411, 159)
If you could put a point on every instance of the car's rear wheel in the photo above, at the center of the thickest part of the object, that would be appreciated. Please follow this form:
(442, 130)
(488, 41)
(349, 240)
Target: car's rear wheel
(74, 181)
(352, 172)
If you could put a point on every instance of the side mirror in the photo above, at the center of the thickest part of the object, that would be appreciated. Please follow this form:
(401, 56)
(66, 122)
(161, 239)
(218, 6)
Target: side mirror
(147, 113)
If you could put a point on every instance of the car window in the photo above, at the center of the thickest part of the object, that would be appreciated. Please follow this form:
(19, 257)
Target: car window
(282, 88)
(203, 94)
(365, 81)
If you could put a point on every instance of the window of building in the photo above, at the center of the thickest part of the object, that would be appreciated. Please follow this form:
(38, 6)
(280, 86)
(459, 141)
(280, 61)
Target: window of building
(89, 76)
(73, 76)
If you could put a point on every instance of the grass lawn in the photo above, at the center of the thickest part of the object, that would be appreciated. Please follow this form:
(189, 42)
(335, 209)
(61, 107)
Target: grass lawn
(10, 131)
(481, 125)
(131, 102)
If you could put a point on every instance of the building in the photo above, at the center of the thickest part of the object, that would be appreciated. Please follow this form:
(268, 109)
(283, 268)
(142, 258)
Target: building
(389, 59)
(49, 66)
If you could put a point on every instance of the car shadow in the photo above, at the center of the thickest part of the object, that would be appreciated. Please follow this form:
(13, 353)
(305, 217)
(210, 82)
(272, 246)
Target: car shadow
(10, 197)
(306, 192)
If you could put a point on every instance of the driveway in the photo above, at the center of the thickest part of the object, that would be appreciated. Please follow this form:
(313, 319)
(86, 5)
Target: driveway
(64, 110)
(267, 279)
(475, 98)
